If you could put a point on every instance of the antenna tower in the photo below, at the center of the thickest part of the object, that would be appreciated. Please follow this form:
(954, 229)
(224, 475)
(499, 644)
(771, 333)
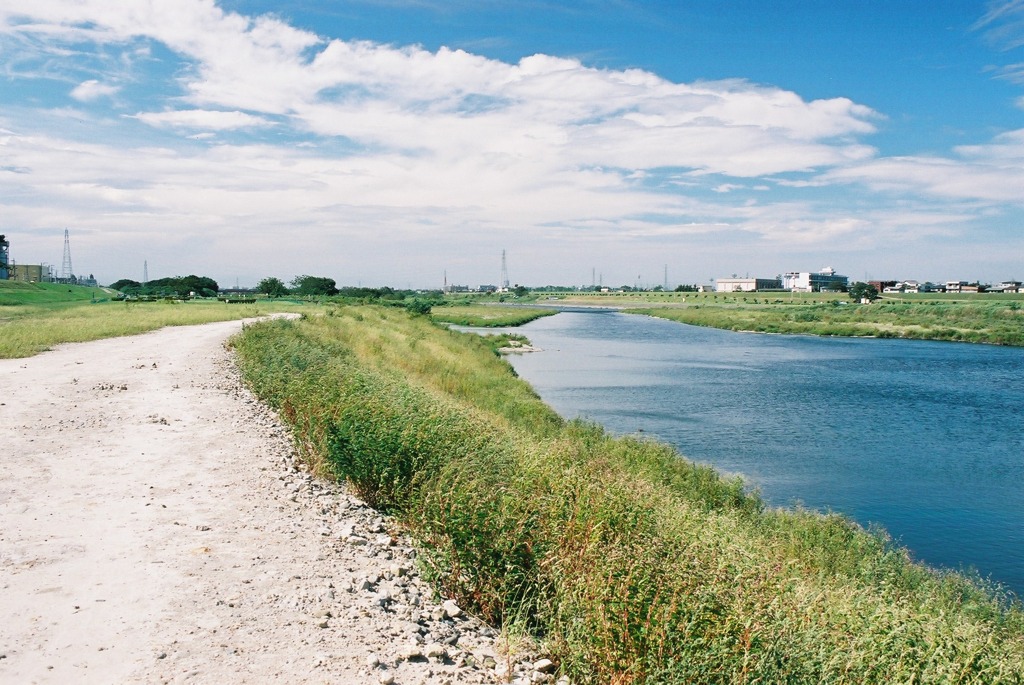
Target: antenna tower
(666, 278)
(145, 272)
(504, 271)
(65, 271)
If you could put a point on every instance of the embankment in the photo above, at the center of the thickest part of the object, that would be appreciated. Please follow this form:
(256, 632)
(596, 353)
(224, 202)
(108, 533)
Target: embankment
(630, 563)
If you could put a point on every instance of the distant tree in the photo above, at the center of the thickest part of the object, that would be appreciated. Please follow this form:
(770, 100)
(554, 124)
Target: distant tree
(521, 291)
(686, 288)
(200, 285)
(863, 291)
(314, 286)
(273, 287)
(125, 284)
(418, 307)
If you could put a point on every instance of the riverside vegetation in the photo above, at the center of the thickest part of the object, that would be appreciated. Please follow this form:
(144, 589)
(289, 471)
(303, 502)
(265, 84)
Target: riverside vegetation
(488, 317)
(999, 322)
(627, 562)
(979, 318)
(36, 316)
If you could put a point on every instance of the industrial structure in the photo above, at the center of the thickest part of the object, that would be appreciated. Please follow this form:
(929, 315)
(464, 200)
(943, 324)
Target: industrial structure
(5, 248)
(42, 272)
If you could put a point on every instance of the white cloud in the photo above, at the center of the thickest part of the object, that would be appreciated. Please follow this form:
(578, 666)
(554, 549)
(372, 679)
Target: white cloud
(404, 146)
(1003, 23)
(202, 119)
(91, 90)
(992, 173)
(451, 104)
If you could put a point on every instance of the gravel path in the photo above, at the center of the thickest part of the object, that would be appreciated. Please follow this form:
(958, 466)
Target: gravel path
(154, 528)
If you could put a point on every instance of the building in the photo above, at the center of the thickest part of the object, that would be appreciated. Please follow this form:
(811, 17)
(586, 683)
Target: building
(30, 273)
(1008, 287)
(881, 286)
(746, 285)
(910, 286)
(963, 287)
(807, 282)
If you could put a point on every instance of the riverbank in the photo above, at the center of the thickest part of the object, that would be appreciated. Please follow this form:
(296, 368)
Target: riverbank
(996, 322)
(157, 527)
(979, 318)
(630, 562)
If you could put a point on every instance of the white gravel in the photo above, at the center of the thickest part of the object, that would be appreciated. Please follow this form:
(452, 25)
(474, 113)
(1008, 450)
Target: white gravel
(154, 528)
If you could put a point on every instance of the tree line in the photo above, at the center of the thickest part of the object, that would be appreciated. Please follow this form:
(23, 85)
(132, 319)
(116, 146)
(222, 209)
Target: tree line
(174, 286)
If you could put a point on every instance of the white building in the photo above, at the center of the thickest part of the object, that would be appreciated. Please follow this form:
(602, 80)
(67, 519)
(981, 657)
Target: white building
(808, 282)
(746, 285)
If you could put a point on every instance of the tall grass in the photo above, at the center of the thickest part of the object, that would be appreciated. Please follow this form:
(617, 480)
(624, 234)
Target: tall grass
(630, 563)
(29, 329)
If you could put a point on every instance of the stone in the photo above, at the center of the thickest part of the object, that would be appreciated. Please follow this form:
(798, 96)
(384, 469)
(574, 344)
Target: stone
(434, 651)
(410, 653)
(544, 665)
(451, 609)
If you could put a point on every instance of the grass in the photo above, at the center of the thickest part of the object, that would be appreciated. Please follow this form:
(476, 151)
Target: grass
(35, 319)
(484, 316)
(996, 321)
(16, 293)
(629, 563)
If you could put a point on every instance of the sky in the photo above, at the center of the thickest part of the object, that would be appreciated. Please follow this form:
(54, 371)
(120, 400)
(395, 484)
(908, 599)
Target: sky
(410, 143)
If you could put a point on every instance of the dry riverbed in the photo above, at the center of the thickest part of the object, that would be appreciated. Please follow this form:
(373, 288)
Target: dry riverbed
(155, 528)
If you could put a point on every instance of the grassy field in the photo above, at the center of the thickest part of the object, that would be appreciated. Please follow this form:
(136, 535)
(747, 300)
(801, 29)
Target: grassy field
(979, 318)
(35, 317)
(17, 293)
(627, 562)
(488, 316)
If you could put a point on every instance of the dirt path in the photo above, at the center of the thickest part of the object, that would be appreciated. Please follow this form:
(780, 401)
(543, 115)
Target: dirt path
(154, 528)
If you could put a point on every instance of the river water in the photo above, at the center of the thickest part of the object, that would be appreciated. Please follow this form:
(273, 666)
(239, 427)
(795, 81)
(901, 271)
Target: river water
(923, 438)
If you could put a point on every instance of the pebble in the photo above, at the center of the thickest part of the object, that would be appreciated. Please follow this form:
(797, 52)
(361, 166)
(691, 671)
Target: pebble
(359, 587)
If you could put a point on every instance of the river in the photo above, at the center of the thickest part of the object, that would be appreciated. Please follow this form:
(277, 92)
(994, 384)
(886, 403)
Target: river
(923, 438)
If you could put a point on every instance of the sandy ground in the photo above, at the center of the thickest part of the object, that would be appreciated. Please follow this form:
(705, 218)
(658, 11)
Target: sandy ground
(155, 528)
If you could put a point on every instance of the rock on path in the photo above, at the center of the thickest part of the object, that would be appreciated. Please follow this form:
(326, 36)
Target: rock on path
(155, 528)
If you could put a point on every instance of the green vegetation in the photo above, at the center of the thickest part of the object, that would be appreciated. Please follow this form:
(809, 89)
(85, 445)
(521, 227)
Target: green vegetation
(17, 293)
(983, 319)
(860, 291)
(174, 286)
(629, 563)
(313, 286)
(488, 316)
(37, 316)
(272, 287)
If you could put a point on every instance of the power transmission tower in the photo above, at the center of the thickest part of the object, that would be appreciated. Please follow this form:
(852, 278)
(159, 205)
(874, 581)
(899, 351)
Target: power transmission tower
(145, 272)
(66, 271)
(504, 272)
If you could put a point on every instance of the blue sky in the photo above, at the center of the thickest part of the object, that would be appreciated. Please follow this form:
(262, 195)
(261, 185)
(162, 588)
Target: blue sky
(388, 142)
